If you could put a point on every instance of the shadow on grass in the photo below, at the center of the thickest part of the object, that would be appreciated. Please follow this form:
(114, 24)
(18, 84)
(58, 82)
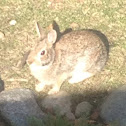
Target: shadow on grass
(1, 85)
(54, 120)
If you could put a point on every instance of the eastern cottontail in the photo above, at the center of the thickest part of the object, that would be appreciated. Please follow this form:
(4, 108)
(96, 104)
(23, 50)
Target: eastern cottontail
(76, 56)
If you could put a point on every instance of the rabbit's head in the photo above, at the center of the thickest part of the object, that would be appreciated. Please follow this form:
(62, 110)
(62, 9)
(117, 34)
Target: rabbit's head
(43, 54)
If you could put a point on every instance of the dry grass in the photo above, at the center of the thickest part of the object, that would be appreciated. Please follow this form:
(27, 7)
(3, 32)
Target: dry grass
(104, 15)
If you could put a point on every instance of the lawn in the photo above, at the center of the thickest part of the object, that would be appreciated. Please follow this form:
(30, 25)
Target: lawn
(108, 16)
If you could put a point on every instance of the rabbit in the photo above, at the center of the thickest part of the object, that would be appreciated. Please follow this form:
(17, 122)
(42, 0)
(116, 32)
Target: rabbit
(75, 57)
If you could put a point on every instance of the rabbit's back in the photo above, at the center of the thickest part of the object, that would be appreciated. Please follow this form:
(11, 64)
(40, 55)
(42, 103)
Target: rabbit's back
(81, 48)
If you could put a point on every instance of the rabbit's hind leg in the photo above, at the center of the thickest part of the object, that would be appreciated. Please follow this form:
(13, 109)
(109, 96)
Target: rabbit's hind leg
(80, 71)
(79, 76)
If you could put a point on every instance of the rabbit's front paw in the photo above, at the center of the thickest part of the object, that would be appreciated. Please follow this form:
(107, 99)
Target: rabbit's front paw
(54, 90)
(39, 87)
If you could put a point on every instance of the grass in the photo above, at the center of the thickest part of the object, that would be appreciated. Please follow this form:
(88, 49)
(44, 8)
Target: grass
(52, 121)
(59, 121)
(104, 15)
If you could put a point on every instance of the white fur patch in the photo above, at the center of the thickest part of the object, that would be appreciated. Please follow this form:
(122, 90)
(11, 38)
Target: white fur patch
(35, 67)
(38, 71)
(78, 77)
(80, 72)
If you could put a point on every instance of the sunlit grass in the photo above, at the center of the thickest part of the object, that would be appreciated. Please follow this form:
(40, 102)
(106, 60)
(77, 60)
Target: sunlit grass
(104, 15)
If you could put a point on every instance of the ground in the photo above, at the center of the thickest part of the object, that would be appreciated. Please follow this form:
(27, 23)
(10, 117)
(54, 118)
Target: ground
(104, 15)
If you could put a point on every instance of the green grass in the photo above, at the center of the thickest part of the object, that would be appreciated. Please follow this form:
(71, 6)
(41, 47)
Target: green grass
(104, 15)
(52, 121)
(60, 121)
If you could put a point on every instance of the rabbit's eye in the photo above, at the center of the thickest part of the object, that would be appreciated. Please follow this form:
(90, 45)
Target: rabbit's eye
(43, 52)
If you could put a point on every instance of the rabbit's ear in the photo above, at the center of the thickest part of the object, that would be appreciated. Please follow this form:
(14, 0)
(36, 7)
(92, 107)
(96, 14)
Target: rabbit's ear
(39, 30)
(52, 36)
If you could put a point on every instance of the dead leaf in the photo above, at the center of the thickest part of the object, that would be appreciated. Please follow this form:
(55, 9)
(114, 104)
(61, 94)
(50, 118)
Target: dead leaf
(2, 124)
(50, 27)
(2, 35)
(95, 114)
(74, 25)
(91, 121)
